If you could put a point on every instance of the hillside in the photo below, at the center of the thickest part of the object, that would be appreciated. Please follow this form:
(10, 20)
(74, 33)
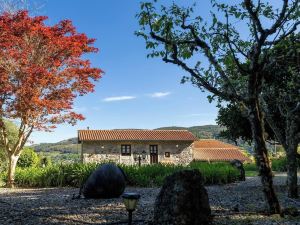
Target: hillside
(64, 146)
(206, 131)
(62, 151)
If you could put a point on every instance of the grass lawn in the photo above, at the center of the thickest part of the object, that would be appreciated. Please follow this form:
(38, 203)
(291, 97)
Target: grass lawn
(251, 173)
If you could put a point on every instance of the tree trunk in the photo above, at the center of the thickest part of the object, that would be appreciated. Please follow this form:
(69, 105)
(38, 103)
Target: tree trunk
(288, 138)
(261, 155)
(12, 163)
(292, 179)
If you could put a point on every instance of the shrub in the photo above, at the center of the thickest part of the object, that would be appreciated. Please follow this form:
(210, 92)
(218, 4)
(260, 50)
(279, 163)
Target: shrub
(28, 158)
(250, 167)
(279, 165)
(145, 176)
(217, 172)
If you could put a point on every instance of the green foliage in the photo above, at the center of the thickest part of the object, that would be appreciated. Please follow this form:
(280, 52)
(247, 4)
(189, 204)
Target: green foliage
(251, 173)
(250, 167)
(233, 114)
(216, 173)
(149, 175)
(279, 165)
(145, 176)
(28, 158)
(45, 162)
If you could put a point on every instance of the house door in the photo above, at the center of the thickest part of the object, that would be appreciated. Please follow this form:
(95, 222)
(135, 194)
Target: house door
(153, 154)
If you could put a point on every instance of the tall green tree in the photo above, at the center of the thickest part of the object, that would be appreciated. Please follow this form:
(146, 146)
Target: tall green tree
(281, 105)
(281, 102)
(211, 51)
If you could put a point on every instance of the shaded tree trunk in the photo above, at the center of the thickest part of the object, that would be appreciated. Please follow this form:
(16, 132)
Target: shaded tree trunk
(12, 164)
(291, 146)
(261, 155)
(292, 180)
(287, 136)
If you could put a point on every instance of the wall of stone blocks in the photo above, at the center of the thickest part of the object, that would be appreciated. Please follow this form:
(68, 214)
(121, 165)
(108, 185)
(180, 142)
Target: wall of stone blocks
(99, 151)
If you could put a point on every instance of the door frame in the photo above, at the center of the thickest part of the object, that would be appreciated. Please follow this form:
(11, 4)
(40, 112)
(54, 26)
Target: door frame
(153, 154)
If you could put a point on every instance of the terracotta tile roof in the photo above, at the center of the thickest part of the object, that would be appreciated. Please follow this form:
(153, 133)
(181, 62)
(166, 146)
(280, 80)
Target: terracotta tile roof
(214, 150)
(212, 143)
(135, 135)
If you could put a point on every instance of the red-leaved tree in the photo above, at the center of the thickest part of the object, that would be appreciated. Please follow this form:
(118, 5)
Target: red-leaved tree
(41, 73)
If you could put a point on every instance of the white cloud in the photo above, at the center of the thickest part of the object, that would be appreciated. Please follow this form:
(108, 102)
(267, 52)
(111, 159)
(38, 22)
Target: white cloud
(118, 98)
(159, 94)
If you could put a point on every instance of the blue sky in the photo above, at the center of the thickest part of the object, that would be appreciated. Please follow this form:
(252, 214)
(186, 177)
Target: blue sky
(135, 92)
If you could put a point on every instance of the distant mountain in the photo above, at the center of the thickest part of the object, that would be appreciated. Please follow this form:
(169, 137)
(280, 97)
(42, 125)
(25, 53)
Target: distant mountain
(204, 132)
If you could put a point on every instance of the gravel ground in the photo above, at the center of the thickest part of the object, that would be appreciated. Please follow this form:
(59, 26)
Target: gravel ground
(55, 205)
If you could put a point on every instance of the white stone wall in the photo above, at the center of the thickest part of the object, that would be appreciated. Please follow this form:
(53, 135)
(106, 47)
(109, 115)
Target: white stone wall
(96, 151)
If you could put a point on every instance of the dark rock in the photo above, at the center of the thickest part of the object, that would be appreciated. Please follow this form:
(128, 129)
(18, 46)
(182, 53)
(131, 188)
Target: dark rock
(239, 165)
(107, 181)
(182, 200)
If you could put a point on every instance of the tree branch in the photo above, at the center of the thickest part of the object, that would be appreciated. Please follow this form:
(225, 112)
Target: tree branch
(207, 51)
(254, 16)
(231, 49)
(284, 35)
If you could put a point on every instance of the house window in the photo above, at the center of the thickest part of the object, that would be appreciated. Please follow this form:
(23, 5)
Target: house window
(154, 149)
(125, 149)
(167, 154)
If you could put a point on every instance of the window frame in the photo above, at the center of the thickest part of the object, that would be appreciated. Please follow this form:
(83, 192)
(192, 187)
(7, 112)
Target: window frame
(126, 150)
(153, 149)
(167, 154)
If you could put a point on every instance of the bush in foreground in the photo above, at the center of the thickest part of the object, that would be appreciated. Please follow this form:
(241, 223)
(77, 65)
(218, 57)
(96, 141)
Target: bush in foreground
(145, 176)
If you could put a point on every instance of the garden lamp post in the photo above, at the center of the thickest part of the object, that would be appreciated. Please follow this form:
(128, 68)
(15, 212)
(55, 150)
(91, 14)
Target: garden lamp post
(130, 201)
(139, 156)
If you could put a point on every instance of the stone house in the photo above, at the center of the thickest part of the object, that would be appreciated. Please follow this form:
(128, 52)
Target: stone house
(137, 146)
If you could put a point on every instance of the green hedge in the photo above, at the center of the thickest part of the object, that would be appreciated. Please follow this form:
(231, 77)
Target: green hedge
(144, 176)
(279, 165)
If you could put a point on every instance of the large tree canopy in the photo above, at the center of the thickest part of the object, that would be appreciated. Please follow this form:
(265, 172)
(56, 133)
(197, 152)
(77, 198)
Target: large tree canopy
(281, 105)
(210, 52)
(41, 73)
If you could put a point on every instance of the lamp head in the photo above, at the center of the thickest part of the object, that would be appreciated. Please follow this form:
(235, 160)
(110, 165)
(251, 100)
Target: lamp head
(144, 155)
(130, 200)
